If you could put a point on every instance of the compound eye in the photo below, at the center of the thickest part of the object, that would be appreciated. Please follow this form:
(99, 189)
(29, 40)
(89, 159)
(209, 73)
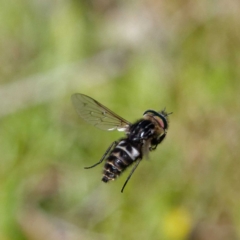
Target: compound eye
(160, 121)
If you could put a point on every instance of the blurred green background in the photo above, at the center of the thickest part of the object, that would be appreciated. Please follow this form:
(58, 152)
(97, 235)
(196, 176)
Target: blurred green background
(131, 56)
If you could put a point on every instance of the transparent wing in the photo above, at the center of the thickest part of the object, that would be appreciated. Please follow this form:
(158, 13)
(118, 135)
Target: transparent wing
(98, 115)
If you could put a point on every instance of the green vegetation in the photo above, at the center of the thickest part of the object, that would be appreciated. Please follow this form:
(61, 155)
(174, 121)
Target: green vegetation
(131, 57)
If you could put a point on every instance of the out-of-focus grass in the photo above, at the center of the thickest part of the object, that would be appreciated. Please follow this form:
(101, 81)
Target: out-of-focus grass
(184, 57)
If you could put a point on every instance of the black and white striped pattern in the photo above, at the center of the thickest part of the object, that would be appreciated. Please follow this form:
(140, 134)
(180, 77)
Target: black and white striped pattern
(122, 156)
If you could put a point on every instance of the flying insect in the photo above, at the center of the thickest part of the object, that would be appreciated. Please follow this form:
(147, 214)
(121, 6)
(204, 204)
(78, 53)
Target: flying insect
(141, 137)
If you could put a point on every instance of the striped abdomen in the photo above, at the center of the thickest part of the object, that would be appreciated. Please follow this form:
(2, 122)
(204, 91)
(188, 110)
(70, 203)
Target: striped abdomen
(122, 156)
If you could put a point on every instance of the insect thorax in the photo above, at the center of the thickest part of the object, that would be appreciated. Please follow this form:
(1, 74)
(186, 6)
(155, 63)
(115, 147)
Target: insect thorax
(142, 130)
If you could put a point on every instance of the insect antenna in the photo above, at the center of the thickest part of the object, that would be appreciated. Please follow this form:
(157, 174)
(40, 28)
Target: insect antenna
(131, 173)
(166, 114)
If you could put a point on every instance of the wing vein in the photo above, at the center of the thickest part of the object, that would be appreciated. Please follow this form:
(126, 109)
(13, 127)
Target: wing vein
(97, 114)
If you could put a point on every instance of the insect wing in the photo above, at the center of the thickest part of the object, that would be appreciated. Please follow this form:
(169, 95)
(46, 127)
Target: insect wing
(98, 115)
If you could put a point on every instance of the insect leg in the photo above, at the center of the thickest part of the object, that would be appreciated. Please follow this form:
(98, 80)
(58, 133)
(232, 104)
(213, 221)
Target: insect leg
(131, 173)
(104, 155)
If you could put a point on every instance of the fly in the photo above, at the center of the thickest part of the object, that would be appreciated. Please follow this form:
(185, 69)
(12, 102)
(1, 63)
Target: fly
(141, 137)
